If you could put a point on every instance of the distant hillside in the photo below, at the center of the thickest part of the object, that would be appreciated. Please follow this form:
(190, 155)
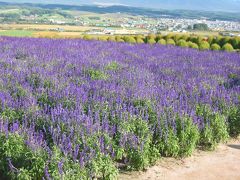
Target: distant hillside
(133, 11)
(207, 5)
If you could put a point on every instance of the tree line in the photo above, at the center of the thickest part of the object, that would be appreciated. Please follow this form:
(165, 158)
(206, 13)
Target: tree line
(191, 41)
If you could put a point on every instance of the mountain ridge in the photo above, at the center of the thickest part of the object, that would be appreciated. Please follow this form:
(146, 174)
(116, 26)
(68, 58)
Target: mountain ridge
(208, 5)
(187, 14)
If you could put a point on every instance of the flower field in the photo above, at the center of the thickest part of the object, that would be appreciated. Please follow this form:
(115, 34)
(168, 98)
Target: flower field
(75, 109)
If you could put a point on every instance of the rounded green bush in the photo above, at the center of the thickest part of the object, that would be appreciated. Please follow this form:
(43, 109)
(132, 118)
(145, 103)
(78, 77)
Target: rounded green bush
(103, 38)
(139, 40)
(151, 41)
(215, 47)
(129, 39)
(170, 42)
(204, 45)
(234, 42)
(192, 45)
(228, 47)
(182, 43)
(162, 41)
(111, 38)
(87, 37)
(119, 40)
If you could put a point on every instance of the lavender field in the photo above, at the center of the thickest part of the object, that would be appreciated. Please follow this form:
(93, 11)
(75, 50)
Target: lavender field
(75, 109)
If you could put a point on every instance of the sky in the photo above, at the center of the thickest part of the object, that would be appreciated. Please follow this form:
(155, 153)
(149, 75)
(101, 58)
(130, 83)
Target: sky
(217, 5)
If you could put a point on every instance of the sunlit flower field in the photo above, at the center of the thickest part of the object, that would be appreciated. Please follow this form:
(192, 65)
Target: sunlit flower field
(75, 109)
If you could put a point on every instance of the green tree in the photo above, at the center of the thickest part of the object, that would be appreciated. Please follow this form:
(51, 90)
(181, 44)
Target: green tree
(200, 27)
(227, 47)
(215, 47)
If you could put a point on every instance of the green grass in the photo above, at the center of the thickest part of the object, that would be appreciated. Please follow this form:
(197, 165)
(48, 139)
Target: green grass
(17, 33)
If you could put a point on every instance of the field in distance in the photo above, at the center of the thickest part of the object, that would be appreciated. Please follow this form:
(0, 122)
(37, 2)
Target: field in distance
(62, 31)
(33, 30)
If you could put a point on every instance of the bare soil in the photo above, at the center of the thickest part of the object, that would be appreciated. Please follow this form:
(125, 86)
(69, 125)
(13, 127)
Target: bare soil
(221, 164)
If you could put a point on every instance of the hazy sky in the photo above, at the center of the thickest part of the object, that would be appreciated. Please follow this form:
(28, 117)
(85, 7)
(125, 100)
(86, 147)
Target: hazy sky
(225, 5)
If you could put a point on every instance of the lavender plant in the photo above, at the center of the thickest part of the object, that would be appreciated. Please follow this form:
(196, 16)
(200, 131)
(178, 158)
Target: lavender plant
(76, 109)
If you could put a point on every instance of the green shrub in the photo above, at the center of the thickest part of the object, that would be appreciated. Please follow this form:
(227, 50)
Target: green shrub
(30, 164)
(87, 37)
(182, 43)
(169, 144)
(204, 45)
(192, 45)
(177, 37)
(234, 42)
(139, 40)
(182, 142)
(193, 39)
(215, 47)
(142, 153)
(210, 39)
(151, 41)
(113, 66)
(103, 38)
(224, 40)
(169, 36)
(103, 166)
(119, 39)
(12, 115)
(111, 38)
(234, 121)
(95, 74)
(228, 47)
(45, 99)
(162, 41)
(151, 36)
(215, 128)
(199, 40)
(158, 37)
(170, 42)
(129, 39)
(188, 136)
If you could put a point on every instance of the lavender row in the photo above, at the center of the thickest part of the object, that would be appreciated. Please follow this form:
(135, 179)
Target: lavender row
(87, 108)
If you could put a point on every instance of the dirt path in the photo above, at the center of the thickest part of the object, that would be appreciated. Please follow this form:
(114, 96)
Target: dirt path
(222, 164)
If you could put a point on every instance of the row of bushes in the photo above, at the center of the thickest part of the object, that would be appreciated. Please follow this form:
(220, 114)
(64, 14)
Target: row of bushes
(197, 42)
